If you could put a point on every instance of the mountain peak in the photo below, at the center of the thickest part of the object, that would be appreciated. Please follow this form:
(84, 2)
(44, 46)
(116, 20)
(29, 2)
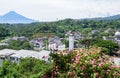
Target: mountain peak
(12, 12)
(13, 17)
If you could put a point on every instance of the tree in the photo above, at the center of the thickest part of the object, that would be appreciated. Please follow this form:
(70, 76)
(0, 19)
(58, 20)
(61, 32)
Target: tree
(27, 68)
(108, 46)
(86, 31)
(3, 33)
(17, 45)
(82, 63)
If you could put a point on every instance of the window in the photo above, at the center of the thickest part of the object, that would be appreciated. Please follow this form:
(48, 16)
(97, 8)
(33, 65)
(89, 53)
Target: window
(12, 58)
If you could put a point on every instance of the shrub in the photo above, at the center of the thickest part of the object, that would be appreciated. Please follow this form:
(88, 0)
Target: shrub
(108, 47)
(82, 63)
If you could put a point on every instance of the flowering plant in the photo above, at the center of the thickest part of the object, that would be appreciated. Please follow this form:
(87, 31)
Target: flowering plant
(85, 63)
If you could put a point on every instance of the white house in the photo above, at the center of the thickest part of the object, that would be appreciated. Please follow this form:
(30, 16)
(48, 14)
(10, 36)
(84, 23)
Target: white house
(16, 55)
(117, 37)
(52, 46)
(37, 43)
(5, 54)
(21, 38)
(61, 47)
(77, 35)
(115, 61)
(55, 44)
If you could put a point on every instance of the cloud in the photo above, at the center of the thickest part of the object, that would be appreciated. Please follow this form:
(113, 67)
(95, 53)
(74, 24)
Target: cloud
(48, 10)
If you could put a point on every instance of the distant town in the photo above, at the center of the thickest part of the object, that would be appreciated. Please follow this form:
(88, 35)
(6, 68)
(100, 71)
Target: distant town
(49, 44)
(89, 47)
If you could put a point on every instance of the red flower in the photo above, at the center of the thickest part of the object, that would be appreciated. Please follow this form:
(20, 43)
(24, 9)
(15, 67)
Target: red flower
(70, 74)
(100, 64)
(83, 67)
(56, 68)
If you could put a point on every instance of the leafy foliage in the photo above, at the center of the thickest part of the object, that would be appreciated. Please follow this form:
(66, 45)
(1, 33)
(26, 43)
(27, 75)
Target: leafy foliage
(27, 68)
(60, 27)
(108, 47)
(3, 33)
(17, 45)
(79, 63)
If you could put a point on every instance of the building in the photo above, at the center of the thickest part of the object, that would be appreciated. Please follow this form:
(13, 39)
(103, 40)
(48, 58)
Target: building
(16, 55)
(95, 32)
(104, 38)
(115, 61)
(55, 44)
(71, 42)
(61, 47)
(21, 38)
(37, 43)
(77, 35)
(117, 37)
(4, 44)
(5, 54)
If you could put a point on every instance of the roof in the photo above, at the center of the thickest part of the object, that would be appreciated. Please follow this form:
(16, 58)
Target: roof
(29, 53)
(6, 52)
(42, 54)
(25, 53)
(117, 33)
(116, 60)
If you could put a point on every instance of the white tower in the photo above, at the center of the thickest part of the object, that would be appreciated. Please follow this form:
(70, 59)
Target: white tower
(117, 35)
(71, 42)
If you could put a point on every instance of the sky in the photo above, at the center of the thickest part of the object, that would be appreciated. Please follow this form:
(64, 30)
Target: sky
(51, 10)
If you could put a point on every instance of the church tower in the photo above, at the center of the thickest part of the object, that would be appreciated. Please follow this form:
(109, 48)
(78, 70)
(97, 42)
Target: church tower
(71, 42)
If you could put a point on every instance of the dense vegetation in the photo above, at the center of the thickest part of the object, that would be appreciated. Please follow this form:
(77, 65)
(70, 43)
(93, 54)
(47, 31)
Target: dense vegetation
(17, 45)
(108, 47)
(59, 28)
(79, 63)
(27, 68)
(3, 33)
(82, 63)
(85, 63)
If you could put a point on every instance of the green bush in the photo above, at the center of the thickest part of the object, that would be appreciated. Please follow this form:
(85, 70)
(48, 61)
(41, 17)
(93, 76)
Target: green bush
(108, 47)
(17, 45)
(82, 63)
(27, 68)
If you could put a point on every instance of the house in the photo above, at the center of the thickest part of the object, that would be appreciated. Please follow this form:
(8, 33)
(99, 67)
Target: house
(117, 37)
(115, 61)
(37, 43)
(5, 54)
(16, 55)
(55, 44)
(4, 44)
(61, 47)
(104, 38)
(77, 35)
(95, 32)
(21, 38)
(107, 30)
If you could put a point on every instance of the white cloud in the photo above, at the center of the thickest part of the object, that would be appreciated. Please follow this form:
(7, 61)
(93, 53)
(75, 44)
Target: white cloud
(48, 10)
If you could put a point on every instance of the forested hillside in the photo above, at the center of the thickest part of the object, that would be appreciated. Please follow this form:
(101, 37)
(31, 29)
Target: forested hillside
(3, 33)
(60, 27)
